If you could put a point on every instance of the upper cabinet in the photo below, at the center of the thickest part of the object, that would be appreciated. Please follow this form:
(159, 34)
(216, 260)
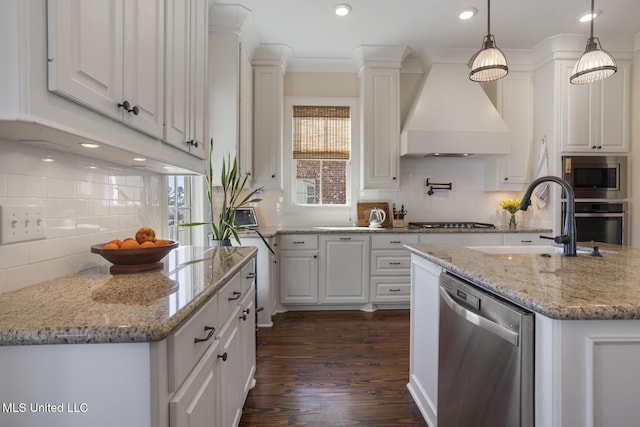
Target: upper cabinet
(511, 172)
(380, 115)
(231, 47)
(185, 75)
(595, 117)
(109, 56)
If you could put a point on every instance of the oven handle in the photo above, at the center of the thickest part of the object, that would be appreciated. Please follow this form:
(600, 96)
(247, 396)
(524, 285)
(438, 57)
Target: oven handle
(482, 322)
(601, 215)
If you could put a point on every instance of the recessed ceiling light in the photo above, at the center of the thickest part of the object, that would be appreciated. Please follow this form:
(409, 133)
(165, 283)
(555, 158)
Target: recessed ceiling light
(48, 159)
(139, 159)
(588, 16)
(468, 13)
(89, 145)
(342, 9)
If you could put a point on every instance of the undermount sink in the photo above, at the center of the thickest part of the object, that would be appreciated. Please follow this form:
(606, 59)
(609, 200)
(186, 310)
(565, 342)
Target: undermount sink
(346, 228)
(513, 250)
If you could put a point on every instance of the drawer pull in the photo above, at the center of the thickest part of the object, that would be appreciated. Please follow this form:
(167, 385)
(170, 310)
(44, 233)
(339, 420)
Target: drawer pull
(251, 275)
(345, 238)
(526, 241)
(395, 241)
(298, 242)
(236, 296)
(395, 263)
(211, 330)
(223, 356)
(394, 290)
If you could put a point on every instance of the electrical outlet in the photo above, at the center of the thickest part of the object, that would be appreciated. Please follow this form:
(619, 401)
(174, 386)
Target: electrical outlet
(22, 223)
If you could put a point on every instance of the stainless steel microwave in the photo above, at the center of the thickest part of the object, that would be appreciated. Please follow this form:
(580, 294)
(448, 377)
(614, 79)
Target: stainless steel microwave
(596, 177)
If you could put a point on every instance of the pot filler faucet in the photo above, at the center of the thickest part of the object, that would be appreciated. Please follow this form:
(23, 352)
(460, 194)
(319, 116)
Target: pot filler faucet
(568, 238)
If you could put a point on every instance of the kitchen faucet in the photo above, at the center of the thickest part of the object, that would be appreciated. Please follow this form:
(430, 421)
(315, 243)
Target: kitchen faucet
(568, 238)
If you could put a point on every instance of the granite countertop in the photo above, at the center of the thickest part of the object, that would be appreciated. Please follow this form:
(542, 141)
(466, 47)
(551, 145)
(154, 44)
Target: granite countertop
(274, 230)
(559, 287)
(94, 306)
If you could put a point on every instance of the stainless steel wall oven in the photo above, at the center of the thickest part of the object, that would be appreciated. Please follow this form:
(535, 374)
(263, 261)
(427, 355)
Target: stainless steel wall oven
(601, 222)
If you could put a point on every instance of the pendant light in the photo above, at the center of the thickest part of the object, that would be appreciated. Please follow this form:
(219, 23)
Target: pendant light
(595, 63)
(489, 62)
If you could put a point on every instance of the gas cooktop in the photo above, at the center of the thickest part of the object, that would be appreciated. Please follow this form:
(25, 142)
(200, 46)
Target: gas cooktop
(459, 225)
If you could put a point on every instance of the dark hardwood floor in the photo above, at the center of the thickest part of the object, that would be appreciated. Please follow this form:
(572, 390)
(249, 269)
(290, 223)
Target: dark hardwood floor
(335, 368)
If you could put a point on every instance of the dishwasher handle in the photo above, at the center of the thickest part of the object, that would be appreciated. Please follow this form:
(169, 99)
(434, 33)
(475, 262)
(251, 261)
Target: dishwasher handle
(482, 322)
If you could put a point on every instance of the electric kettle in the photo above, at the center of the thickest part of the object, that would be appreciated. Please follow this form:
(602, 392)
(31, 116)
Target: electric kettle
(376, 218)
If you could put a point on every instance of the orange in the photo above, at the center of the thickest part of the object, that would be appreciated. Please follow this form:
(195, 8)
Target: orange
(111, 245)
(162, 242)
(130, 244)
(147, 244)
(117, 242)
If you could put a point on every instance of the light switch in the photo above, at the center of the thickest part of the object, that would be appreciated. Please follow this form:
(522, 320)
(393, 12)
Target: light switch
(22, 223)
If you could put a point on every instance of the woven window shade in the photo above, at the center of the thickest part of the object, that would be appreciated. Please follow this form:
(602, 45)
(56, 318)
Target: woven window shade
(321, 132)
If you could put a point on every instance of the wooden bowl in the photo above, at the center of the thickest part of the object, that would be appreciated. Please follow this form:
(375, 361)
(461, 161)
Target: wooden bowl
(134, 260)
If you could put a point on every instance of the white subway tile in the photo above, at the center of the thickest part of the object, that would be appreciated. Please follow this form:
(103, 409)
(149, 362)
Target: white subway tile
(88, 189)
(61, 188)
(25, 186)
(13, 255)
(87, 225)
(3, 185)
(98, 207)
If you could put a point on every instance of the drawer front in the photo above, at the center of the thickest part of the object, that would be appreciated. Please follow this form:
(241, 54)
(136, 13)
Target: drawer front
(390, 289)
(187, 345)
(229, 298)
(392, 241)
(299, 241)
(248, 276)
(390, 262)
(525, 239)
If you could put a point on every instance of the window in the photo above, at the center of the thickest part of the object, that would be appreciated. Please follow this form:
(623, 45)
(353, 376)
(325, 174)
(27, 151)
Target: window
(321, 154)
(179, 208)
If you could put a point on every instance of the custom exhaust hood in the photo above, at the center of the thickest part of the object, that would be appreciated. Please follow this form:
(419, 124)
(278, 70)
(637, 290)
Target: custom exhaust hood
(453, 117)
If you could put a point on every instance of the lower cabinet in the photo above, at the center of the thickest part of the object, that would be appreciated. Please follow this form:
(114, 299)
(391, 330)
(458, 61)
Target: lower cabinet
(299, 269)
(390, 271)
(344, 269)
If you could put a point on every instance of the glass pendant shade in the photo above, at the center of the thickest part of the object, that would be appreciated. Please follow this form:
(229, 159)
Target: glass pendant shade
(594, 64)
(489, 63)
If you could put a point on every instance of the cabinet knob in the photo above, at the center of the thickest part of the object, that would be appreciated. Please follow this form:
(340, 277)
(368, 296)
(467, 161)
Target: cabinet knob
(506, 178)
(126, 105)
(193, 143)
(394, 178)
(223, 356)
(273, 176)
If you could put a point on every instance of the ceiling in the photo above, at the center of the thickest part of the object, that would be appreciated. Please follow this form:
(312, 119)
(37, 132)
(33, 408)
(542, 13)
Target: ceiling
(312, 30)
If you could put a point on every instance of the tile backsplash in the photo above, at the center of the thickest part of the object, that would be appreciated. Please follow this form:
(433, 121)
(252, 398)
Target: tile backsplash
(86, 202)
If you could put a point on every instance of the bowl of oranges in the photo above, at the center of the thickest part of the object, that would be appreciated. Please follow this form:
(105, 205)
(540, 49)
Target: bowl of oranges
(135, 254)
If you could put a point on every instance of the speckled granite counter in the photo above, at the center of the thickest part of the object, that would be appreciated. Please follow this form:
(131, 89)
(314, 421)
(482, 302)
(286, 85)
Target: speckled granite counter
(274, 230)
(96, 307)
(565, 288)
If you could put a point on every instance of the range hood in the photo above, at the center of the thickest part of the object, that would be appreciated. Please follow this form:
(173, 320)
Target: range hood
(453, 117)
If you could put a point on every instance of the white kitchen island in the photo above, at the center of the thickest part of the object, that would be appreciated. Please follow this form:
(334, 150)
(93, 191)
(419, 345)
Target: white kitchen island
(587, 327)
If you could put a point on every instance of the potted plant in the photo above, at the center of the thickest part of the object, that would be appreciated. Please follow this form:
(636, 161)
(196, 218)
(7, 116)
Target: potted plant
(233, 186)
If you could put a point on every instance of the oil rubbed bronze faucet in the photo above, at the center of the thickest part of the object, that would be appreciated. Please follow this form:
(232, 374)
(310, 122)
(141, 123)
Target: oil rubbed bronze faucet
(568, 238)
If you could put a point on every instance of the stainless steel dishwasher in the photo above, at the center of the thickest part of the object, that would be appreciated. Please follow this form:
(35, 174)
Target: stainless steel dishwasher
(485, 367)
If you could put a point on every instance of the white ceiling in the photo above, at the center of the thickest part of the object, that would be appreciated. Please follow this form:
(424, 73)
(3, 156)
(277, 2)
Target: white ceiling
(312, 30)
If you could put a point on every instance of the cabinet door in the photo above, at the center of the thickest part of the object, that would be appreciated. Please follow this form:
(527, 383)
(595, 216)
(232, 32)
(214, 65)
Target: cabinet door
(299, 277)
(143, 65)
(229, 363)
(380, 90)
(515, 103)
(185, 70)
(247, 324)
(268, 124)
(613, 110)
(85, 49)
(196, 403)
(344, 269)
(245, 150)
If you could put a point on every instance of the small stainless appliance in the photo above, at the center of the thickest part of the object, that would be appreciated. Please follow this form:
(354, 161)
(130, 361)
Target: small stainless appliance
(596, 177)
(601, 221)
(486, 359)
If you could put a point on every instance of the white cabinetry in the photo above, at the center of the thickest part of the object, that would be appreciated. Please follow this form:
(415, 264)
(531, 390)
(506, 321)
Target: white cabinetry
(185, 75)
(344, 269)
(515, 104)
(230, 120)
(109, 56)
(299, 269)
(525, 239)
(464, 239)
(390, 267)
(423, 360)
(595, 117)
